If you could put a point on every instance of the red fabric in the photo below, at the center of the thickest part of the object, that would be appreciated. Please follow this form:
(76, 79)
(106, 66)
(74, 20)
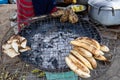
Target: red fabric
(54, 9)
(25, 11)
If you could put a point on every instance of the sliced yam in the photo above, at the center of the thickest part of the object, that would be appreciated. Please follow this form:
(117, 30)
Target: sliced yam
(11, 53)
(104, 48)
(79, 64)
(83, 51)
(24, 43)
(88, 47)
(76, 69)
(100, 57)
(24, 49)
(15, 37)
(91, 41)
(6, 46)
(15, 40)
(11, 39)
(15, 46)
(20, 38)
(82, 59)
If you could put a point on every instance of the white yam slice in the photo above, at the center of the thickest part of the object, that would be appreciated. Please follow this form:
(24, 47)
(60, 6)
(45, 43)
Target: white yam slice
(6, 46)
(20, 38)
(11, 39)
(24, 49)
(15, 46)
(24, 43)
(11, 53)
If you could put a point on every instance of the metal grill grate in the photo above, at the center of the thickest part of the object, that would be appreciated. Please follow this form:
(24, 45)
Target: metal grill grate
(49, 40)
(49, 26)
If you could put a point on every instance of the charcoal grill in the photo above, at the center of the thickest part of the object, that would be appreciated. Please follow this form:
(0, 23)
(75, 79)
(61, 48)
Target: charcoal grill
(49, 40)
(52, 44)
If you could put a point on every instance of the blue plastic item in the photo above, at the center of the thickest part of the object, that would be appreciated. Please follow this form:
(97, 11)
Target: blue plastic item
(3, 1)
(61, 76)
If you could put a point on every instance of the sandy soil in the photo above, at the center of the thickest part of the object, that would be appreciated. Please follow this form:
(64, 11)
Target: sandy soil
(5, 12)
(9, 66)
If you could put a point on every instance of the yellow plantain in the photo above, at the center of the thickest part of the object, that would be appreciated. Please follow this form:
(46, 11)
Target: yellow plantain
(79, 64)
(82, 59)
(101, 57)
(77, 70)
(83, 51)
(88, 47)
(92, 61)
(89, 41)
(104, 48)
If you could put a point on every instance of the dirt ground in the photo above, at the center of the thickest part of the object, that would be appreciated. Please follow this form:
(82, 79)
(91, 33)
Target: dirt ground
(5, 12)
(10, 69)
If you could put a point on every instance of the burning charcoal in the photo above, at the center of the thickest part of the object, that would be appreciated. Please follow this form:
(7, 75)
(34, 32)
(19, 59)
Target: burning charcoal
(51, 59)
(54, 38)
(43, 45)
(45, 64)
(39, 44)
(37, 51)
(59, 52)
(55, 63)
(39, 60)
(61, 34)
(34, 45)
(47, 39)
(50, 46)
(65, 66)
(50, 66)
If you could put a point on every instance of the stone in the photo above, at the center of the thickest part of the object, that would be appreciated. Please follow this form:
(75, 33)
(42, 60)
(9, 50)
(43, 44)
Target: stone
(109, 34)
(115, 78)
(114, 68)
(114, 28)
(118, 73)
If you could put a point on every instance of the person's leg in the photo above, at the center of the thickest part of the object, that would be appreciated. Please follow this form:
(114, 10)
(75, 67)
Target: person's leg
(42, 7)
(24, 12)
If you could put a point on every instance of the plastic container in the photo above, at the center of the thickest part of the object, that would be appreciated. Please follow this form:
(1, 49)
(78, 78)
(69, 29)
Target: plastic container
(3, 1)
